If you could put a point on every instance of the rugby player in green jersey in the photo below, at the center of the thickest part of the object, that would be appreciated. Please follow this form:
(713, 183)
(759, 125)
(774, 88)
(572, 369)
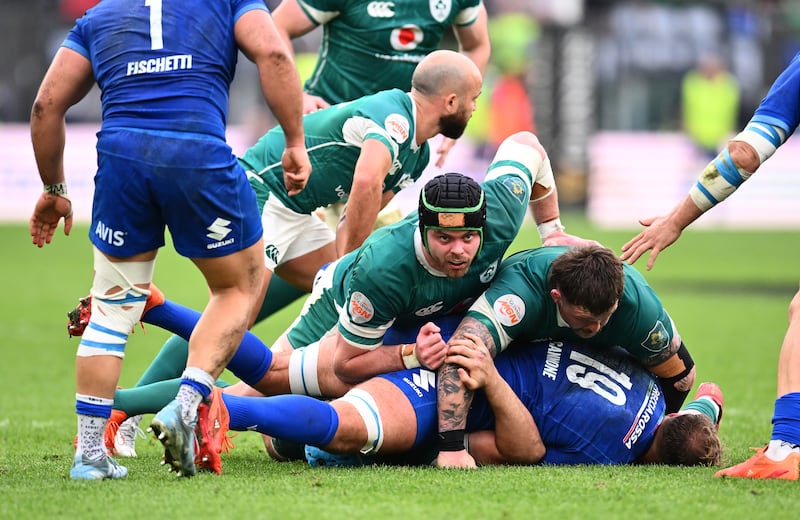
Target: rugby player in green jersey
(573, 294)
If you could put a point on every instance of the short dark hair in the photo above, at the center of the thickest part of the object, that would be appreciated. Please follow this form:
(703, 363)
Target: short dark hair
(588, 276)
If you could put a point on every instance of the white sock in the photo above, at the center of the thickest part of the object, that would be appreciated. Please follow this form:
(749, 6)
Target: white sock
(189, 397)
(779, 450)
(90, 436)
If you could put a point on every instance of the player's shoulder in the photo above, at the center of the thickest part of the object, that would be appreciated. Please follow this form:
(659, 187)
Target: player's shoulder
(389, 247)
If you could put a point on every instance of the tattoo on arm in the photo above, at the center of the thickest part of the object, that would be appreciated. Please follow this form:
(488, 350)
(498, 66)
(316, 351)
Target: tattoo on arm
(454, 399)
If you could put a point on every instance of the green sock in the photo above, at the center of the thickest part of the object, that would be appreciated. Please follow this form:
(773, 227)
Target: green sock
(704, 406)
(168, 363)
(280, 293)
(148, 398)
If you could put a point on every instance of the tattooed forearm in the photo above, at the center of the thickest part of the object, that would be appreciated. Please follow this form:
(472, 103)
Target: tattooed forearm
(472, 326)
(453, 398)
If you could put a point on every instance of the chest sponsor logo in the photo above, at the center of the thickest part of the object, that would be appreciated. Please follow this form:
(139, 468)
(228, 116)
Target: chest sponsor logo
(657, 339)
(509, 309)
(440, 9)
(489, 273)
(406, 38)
(405, 181)
(380, 9)
(398, 127)
(430, 309)
(361, 309)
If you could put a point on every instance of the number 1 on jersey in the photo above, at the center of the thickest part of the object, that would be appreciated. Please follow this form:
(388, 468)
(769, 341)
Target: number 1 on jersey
(156, 37)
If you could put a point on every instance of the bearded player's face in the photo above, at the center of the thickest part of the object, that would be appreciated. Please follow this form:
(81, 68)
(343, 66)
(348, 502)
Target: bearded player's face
(452, 252)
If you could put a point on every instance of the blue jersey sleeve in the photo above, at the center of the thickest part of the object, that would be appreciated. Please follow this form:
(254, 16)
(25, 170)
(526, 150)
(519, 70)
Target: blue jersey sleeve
(781, 105)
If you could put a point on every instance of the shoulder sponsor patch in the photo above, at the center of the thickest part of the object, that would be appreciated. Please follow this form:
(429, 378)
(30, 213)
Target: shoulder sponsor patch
(516, 187)
(397, 126)
(509, 309)
(361, 309)
(657, 339)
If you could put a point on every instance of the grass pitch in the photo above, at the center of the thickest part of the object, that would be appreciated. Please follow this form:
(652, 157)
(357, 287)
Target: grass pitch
(728, 293)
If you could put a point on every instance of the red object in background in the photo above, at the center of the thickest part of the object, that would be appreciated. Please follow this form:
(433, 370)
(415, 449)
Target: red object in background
(511, 109)
(74, 9)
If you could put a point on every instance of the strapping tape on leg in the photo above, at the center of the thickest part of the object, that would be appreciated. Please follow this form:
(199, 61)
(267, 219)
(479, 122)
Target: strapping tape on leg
(114, 313)
(303, 371)
(367, 408)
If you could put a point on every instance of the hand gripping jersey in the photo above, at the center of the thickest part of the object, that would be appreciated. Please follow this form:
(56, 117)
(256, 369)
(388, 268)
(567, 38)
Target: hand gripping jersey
(333, 139)
(518, 306)
(370, 45)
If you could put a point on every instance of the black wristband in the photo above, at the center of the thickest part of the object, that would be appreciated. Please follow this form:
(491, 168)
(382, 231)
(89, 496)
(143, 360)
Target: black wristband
(451, 441)
(673, 397)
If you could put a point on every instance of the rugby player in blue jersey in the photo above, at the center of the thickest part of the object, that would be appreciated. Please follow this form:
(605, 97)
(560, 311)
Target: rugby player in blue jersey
(164, 70)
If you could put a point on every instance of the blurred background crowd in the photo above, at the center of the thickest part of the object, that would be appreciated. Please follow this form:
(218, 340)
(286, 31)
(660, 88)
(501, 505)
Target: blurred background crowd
(568, 70)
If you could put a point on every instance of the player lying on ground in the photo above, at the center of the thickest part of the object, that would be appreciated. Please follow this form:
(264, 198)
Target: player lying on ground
(547, 402)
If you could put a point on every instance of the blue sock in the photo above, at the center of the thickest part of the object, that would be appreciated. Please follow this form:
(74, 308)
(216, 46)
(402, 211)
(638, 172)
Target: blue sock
(295, 418)
(786, 421)
(251, 360)
(173, 317)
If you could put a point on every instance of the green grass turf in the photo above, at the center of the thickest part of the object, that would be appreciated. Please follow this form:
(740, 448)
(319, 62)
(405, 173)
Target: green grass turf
(728, 293)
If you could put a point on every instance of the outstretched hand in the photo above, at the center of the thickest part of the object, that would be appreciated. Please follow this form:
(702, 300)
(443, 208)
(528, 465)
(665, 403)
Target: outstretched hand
(49, 210)
(659, 234)
(431, 348)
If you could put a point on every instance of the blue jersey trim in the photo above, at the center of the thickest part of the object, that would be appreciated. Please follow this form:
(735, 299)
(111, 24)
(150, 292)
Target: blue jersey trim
(727, 168)
(705, 192)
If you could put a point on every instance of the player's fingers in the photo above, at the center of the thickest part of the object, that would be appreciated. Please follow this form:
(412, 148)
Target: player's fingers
(68, 223)
(652, 258)
(468, 381)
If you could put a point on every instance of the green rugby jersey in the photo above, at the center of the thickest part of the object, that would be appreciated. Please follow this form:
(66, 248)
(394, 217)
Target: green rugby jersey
(368, 46)
(388, 280)
(518, 305)
(333, 139)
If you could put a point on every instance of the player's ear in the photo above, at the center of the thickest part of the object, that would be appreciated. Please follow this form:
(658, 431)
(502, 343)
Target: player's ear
(451, 103)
